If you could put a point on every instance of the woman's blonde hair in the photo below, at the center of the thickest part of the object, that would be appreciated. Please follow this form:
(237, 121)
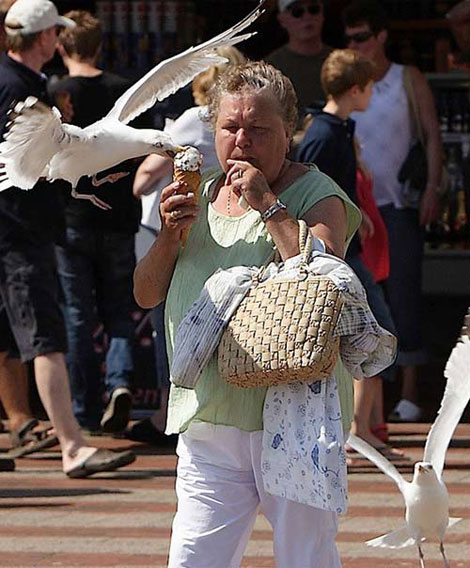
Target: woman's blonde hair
(203, 82)
(259, 77)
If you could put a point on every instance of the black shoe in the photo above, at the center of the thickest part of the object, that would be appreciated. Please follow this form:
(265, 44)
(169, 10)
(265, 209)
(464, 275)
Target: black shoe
(7, 464)
(144, 431)
(116, 415)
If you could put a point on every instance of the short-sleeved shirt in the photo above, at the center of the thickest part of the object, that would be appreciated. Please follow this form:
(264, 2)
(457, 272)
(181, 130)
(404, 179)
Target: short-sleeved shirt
(35, 216)
(218, 241)
(329, 144)
(304, 72)
(92, 98)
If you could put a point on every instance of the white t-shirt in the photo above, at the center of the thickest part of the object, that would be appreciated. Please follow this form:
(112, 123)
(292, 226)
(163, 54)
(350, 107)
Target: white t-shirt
(187, 130)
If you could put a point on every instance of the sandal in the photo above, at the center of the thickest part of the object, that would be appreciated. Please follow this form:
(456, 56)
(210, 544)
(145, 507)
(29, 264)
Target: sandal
(101, 461)
(380, 431)
(29, 439)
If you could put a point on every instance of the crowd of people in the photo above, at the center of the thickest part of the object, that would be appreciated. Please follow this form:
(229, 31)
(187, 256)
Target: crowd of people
(66, 264)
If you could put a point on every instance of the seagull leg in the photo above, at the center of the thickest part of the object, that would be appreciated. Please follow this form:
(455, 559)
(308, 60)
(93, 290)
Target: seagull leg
(95, 200)
(421, 557)
(111, 178)
(446, 562)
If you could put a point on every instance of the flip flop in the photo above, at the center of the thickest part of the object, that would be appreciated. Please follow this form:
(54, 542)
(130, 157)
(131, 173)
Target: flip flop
(29, 439)
(101, 460)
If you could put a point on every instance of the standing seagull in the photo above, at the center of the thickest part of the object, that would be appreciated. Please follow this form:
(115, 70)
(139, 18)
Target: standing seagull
(426, 497)
(38, 144)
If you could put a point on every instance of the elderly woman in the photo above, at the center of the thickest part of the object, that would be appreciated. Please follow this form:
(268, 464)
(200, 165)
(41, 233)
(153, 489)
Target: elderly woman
(219, 486)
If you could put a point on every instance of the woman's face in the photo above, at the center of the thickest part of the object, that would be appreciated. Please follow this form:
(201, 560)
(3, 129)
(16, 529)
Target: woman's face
(250, 128)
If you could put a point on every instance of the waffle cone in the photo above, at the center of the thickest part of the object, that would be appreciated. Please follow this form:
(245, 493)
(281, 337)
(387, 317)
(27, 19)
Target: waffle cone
(192, 179)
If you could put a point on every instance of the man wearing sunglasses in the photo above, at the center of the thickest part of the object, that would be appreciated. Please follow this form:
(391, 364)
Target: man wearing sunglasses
(302, 57)
(386, 132)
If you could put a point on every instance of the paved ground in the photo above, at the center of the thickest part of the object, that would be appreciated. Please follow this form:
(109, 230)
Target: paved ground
(124, 519)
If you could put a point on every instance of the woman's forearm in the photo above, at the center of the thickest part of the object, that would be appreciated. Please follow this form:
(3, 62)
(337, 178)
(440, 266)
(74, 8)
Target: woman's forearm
(327, 220)
(150, 171)
(153, 273)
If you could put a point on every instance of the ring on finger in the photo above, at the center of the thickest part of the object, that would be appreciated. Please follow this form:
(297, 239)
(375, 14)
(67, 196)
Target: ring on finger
(173, 214)
(240, 174)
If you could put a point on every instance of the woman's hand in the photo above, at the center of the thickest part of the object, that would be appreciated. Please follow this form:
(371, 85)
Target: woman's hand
(248, 182)
(177, 210)
(429, 207)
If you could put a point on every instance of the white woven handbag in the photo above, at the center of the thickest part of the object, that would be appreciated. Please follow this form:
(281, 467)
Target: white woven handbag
(283, 330)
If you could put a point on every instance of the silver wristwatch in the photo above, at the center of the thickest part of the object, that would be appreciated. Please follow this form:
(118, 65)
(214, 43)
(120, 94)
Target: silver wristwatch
(270, 211)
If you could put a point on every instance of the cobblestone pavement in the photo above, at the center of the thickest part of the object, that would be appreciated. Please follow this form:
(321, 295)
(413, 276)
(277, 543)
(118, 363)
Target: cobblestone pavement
(123, 519)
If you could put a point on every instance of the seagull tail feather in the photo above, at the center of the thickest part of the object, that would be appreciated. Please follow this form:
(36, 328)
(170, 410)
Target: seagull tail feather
(453, 521)
(399, 538)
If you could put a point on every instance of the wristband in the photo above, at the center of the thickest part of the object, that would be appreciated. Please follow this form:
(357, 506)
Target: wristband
(270, 211)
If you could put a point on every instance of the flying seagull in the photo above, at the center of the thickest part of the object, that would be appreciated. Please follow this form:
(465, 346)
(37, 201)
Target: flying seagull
(426, 497)
(38, 144)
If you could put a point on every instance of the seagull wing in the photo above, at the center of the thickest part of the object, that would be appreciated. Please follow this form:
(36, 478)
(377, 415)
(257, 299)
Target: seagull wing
(176, 72)
(399, 538)
(34, 134)
(454, 401)
(378, 459)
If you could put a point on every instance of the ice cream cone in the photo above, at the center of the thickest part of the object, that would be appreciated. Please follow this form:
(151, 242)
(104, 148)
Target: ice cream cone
(186, 170)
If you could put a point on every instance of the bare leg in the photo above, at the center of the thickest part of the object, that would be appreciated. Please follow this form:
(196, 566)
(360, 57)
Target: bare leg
(111, 178)
(377, 414)
(410, 383)
(441, 548)
(364, 397)
(14, 392)
(90, 197)
(53, 387)
(421, 557)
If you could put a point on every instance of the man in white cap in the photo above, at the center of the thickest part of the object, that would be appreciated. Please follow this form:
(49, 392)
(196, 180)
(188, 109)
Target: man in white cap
(31, 321)
(302, 56)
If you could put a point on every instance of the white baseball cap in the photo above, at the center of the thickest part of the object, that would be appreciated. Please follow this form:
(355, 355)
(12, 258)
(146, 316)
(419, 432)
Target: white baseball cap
(31, 16)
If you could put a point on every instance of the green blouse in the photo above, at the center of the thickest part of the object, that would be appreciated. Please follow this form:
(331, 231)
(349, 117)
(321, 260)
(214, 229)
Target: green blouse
(218, 241)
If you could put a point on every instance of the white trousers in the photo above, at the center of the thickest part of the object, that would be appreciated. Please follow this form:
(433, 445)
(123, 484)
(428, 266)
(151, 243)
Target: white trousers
(219, 489)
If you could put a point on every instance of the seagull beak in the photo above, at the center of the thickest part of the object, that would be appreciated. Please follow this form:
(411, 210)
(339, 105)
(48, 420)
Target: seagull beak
(172, 153)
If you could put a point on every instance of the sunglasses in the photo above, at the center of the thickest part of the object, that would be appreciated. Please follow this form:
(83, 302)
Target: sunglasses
(360, 37)
(299, 11)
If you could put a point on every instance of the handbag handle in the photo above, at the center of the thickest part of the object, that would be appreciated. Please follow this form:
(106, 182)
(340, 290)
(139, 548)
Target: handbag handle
(305, 242)
(305, 247)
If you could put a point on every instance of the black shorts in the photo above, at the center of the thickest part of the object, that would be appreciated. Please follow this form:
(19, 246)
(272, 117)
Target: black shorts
(31, 320)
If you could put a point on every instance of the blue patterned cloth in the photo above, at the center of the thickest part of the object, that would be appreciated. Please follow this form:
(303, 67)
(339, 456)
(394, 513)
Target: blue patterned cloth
(303, 457)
